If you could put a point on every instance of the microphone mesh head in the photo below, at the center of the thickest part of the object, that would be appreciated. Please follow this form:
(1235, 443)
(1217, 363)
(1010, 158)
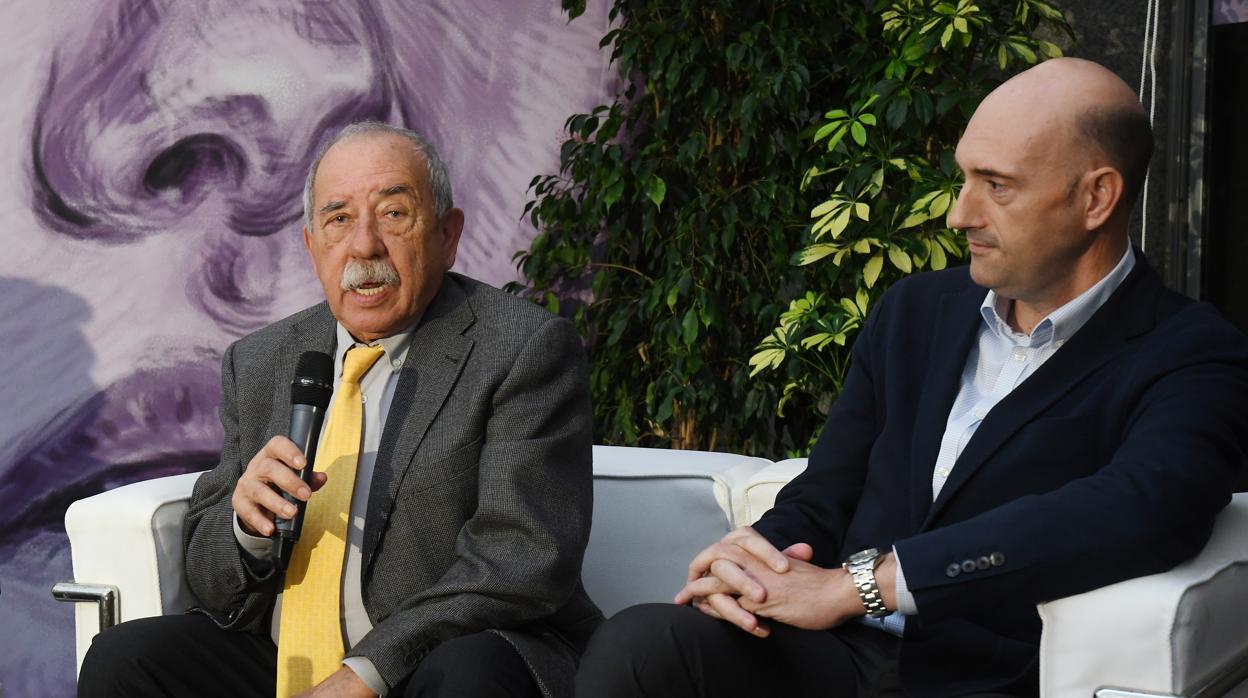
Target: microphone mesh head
(314, 380)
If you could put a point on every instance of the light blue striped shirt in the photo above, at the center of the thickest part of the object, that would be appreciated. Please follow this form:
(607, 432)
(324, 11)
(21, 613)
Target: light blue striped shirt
(998, 363)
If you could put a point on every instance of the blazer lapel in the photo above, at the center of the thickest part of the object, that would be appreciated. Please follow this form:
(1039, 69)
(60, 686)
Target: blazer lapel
(434, 362)
(1126, 314)
(957, 322)
(314, 333)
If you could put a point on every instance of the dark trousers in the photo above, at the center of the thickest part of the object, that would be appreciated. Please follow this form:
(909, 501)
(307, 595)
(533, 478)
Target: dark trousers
(661, 650)
(188, 655)
(666, 651)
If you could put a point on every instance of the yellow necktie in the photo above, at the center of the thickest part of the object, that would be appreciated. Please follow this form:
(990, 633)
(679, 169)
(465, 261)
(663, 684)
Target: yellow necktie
(310, 643)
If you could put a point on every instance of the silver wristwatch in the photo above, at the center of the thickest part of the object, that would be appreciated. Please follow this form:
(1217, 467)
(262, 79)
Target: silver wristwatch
(861, 567)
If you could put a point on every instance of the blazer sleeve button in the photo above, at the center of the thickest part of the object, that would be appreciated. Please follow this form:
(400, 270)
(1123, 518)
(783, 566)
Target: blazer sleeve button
(968, 566)
(953, 570)
(997, 559)
(983, 563)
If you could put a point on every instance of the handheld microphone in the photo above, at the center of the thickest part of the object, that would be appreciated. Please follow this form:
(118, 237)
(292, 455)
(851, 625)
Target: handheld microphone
(309, 396)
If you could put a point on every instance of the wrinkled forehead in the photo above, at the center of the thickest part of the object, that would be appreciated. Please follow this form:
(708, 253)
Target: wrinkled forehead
(371, 163)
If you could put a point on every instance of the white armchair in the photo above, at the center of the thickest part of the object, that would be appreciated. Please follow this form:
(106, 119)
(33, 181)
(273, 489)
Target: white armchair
(1182, 633)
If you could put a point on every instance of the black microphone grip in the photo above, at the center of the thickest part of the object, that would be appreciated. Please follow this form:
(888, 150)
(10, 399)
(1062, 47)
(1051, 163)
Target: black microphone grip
(305, 431)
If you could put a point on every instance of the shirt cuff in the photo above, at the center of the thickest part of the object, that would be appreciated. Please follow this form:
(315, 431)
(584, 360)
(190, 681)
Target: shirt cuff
(905, 600)
(368, 673)
(260, 549)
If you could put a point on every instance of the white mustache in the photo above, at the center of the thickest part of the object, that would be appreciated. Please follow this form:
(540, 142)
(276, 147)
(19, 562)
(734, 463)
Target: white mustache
(359, 273)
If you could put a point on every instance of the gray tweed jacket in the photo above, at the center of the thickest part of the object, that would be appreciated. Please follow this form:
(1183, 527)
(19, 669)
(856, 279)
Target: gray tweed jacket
(480, 505)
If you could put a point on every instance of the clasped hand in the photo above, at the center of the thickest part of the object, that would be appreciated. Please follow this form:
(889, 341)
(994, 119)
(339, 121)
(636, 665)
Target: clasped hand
(743, 578)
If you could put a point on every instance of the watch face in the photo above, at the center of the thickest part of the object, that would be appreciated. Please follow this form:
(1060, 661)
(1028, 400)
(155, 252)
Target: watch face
(863, 556)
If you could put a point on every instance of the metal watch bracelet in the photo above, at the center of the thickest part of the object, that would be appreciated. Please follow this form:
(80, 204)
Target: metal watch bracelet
(861, 568)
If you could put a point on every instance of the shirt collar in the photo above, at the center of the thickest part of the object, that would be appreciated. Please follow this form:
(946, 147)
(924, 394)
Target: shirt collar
(1061, 324)
(395, 346)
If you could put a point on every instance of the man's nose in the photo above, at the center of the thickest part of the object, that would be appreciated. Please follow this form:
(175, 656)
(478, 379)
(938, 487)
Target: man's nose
(962, 213)
(365, 241)
(199, 120)
(208, 110)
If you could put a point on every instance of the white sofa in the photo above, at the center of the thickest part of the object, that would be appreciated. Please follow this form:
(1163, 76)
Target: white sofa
(1182, 633)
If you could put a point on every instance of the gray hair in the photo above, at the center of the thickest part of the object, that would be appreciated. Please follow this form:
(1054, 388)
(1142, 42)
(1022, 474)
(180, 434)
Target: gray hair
(439, 179)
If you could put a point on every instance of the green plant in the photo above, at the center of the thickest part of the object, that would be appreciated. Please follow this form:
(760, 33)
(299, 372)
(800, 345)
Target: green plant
(676, 210)
(887, 174)
(668, 233)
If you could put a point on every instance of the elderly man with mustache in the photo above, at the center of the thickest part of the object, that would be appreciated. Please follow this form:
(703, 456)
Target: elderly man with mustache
(441, 556)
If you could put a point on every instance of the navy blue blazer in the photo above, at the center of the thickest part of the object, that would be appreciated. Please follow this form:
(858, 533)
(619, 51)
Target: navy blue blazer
(1111, 461)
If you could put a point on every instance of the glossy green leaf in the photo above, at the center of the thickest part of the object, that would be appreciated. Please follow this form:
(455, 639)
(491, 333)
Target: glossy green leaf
(817, 340)
(859, 132)
(826, 207)
(871, 270)
(900, 259)
(938, 259)
(657, 191)
(840, 222)
(689, 326)
(895, 115)
(838, 134)
(814, 253)
(613, 194)
(913, 219)
(664, 412)
(820, 228)
(1023, 50)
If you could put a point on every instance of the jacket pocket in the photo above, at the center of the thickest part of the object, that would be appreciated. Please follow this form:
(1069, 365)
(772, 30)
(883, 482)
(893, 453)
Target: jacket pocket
(454, 465)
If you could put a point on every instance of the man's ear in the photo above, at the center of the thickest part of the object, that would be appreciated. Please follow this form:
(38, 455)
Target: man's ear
(452, 226)
(307, 243)
(1104, 193)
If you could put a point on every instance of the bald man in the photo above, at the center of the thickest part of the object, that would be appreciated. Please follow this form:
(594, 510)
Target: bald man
(1047, 421)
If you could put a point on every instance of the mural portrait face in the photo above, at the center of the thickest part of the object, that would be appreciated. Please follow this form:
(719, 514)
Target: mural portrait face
(153, 155)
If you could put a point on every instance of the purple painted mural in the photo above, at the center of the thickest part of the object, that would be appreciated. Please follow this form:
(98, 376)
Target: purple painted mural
(153, 155)
(1230, 11)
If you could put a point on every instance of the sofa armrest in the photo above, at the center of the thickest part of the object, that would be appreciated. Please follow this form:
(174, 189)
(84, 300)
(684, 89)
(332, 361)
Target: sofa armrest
(654, 509)
(129, 539)
(1168, 634)
(759, 493)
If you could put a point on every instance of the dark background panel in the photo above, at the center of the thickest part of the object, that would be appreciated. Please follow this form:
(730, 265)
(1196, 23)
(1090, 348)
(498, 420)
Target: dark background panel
(1111, 32)
(1226, 263)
